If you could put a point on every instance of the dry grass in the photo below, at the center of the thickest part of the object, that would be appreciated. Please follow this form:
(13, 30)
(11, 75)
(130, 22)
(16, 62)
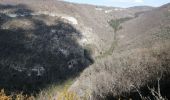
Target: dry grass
(62, 95)
(66, 95)
(24, 24)
(54, 90)
(3, 96)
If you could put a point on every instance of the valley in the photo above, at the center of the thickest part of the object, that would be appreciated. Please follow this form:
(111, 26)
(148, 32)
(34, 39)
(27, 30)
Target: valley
(57, 50)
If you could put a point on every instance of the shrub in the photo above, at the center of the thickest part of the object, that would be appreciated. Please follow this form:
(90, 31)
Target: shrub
(156, 94)
(116, 23)
(21, 96)
(3, 96)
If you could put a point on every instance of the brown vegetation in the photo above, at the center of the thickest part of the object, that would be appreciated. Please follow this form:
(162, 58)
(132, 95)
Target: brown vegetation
(140, 58)
(40, 53)
(119, 75)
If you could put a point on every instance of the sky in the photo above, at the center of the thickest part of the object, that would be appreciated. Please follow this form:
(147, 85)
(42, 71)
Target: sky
(123, 3)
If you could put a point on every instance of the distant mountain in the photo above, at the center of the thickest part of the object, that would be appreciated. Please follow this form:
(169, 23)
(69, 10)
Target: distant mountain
(141, 7)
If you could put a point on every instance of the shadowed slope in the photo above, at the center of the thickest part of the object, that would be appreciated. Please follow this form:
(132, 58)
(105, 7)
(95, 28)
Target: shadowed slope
(33, 54)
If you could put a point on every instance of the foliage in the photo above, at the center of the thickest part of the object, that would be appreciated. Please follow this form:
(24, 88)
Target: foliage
(116, 23)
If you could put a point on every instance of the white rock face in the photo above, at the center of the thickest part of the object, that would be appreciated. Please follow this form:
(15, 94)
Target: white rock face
(99, 9)
(12, 15)
(73, 20)
(108, 11)
(34, 14)
(116, 9)
(53, 14)
(119, 9)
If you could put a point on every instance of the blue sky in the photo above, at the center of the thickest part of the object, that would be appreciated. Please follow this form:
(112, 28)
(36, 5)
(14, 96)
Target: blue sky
(123, 3)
